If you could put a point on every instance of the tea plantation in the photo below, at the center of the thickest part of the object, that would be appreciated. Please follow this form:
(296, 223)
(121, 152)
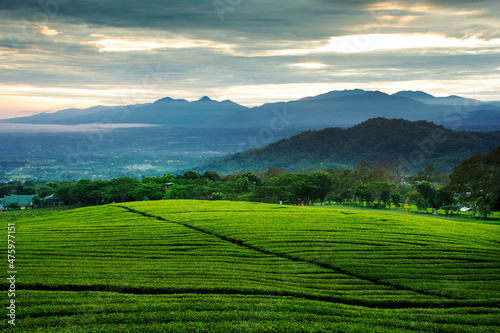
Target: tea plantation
(215, 266)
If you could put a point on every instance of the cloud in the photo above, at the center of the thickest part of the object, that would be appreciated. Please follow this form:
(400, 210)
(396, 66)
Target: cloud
(310, 65)
(57, 54)
(46, 31)
(124, 44)
(375, 42)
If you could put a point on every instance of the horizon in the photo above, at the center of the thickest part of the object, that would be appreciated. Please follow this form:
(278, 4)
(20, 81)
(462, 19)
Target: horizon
(61, 54)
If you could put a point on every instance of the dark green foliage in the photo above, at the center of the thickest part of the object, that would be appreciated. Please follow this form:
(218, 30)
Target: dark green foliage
(480, 176)
(427, 192)
(121, 189)
(443, 199)
(484, 209)
(364, 194)
(396, 199)
(44, 191)
(212, 175)
(191, 175)
(325, 183)
(377, 139)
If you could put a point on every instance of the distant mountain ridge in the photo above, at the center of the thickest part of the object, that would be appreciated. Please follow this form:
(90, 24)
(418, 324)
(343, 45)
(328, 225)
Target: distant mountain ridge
(416, 95)
(165, 111)
(341, 108)
(51, 118)
(378, 139)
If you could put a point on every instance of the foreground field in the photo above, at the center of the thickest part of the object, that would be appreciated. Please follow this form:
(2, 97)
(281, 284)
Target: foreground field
(229, 266)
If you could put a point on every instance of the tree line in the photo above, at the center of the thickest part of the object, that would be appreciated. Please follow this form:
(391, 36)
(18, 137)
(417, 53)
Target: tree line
(474, 183)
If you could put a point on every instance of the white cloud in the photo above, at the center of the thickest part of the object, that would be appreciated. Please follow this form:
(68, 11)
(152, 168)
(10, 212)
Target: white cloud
(46, 31)
(310, 65)
(125, 44)
(375, 42)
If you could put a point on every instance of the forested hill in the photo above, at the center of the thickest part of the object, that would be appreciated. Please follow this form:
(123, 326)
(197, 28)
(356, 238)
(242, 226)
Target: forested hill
(414, 144)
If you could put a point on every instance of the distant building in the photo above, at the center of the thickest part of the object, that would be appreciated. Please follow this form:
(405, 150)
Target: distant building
(23, 201)
(51, 201)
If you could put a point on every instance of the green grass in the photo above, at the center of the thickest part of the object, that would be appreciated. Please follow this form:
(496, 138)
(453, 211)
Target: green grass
(33, 213)
(463, 217)
(234, 266)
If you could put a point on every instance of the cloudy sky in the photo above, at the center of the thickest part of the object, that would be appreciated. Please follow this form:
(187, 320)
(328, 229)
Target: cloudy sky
(57, 54)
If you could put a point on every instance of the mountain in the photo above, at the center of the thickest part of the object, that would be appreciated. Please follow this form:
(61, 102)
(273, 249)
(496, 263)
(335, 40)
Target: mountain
(338, 109)
(52, 118)
(336, 94)
(413, 144)
(166, 111)
(451, 100)
(341, 108)
(459, 113)
(416, 95)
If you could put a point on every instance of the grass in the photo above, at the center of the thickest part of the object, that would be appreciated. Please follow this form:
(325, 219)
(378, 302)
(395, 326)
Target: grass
(413, 210)
(233, 266)
(33, 213)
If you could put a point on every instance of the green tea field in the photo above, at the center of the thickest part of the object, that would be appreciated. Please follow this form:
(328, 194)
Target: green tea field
(215, 266)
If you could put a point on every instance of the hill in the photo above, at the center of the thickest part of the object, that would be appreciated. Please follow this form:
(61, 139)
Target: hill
(414, 144)
(202, 266)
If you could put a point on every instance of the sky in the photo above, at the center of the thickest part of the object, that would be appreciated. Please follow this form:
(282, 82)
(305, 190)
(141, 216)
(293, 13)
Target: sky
(57, 54)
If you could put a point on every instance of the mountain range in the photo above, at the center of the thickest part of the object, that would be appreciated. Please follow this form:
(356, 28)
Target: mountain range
(338, 128)
(334, 109)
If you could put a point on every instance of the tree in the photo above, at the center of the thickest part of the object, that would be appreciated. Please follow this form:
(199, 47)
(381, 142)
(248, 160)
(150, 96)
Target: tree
(324, 181)
(44, 191)
(396, 199)
(212, 175)
(416, 199)
(252, 178)
(89, 192)
(191, 175)
(479, 176)
(243, 184)
(272, 194)
(444, 199)
(63, 193)
(149, 190)
(427, 191)
(303, 186)
(178, 192)
(26, 190)
(484, 209)
(381, 191)
(364, 193)
(7, 190)
(120, 189)
(273, 172)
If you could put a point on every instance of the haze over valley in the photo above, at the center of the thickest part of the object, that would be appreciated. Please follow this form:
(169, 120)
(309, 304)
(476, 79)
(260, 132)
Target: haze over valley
(172, 135)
